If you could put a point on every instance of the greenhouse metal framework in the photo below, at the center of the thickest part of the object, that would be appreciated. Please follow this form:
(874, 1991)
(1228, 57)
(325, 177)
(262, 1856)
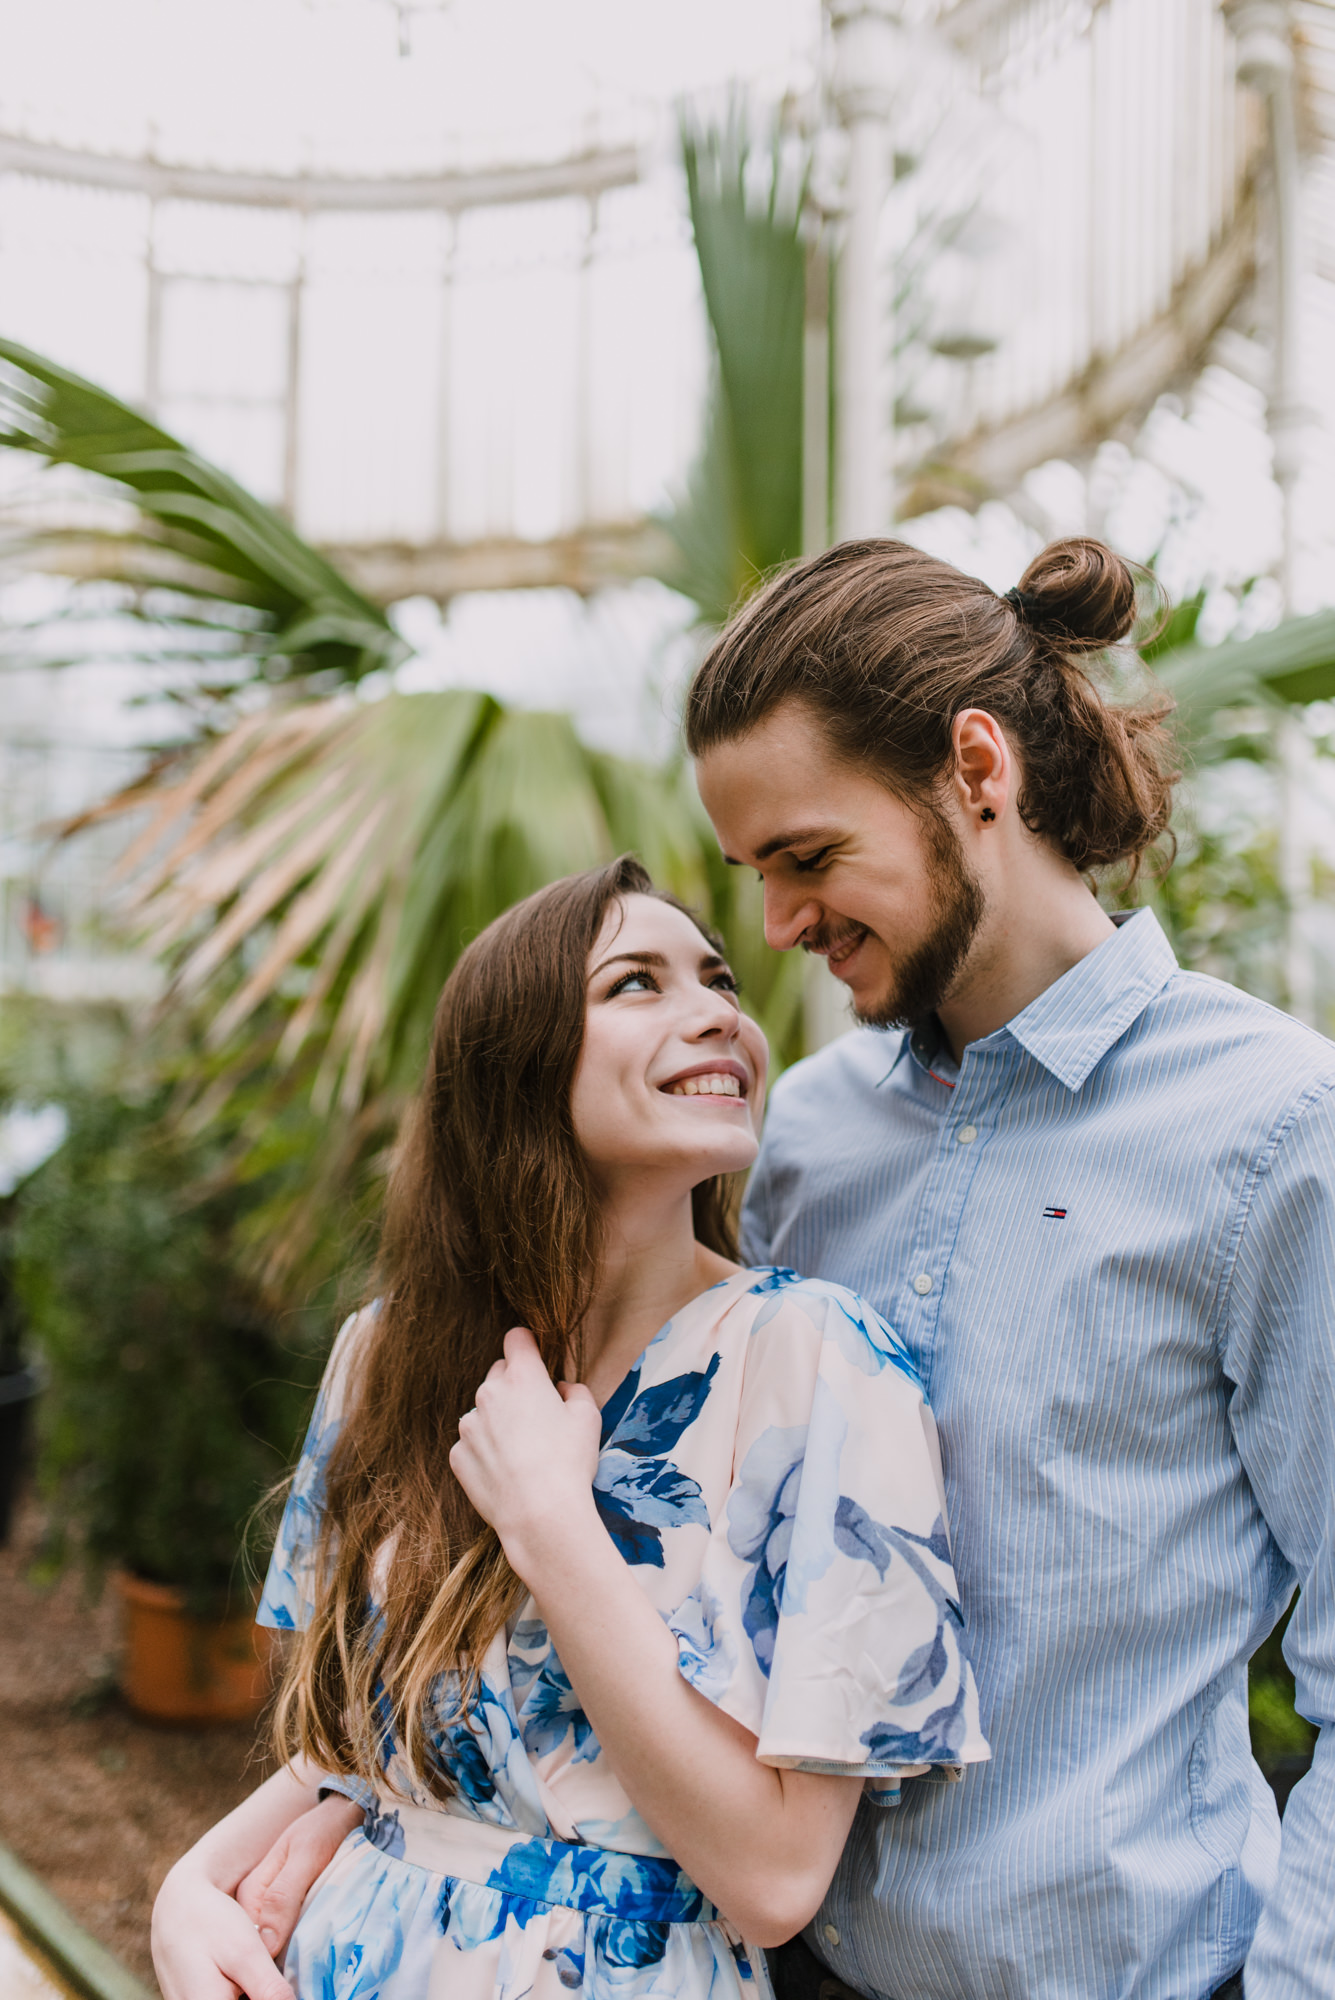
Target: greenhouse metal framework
(491, 379)
(245, 302)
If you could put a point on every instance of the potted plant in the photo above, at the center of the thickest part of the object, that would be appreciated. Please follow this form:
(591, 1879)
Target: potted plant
(27, 1137)
(19, 1380)
(173, 1402)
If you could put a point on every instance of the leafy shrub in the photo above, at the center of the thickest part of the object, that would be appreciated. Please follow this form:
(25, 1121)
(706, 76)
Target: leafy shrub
(175, 1397)
(1278, 1731)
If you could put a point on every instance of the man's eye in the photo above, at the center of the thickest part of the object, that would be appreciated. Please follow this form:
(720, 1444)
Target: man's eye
(633, 982)
(803, 867)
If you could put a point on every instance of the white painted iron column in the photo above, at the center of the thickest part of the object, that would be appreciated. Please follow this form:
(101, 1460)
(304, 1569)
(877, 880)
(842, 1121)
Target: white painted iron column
(865, 36)
(1264, 36)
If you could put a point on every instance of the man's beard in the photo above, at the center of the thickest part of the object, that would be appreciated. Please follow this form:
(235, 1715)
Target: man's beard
(925, 977)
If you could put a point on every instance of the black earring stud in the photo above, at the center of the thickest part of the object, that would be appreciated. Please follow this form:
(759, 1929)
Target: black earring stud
(987, 815)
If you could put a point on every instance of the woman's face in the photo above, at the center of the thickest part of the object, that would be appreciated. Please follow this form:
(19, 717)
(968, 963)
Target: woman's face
(672, 1073)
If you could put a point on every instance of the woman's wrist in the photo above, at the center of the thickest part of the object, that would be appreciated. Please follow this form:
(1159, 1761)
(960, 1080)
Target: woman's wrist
(562, 1534)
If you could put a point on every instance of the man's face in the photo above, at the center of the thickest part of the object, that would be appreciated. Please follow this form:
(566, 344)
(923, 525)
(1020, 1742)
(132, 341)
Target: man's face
(881, 891)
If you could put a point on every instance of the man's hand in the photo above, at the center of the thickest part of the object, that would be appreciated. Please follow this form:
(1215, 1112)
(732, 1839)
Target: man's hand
(274, 1891)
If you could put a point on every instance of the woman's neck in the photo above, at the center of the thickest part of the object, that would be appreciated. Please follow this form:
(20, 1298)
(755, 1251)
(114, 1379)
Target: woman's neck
(652, 1266)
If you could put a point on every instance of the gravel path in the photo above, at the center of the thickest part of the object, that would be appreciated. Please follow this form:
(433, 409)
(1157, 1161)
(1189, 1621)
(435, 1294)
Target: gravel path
(98, 1803)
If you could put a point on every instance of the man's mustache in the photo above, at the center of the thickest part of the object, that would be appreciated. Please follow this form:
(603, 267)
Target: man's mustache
(824, 939)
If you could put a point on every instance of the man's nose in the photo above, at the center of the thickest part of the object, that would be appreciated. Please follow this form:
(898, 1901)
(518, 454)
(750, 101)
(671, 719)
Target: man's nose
(790, 909)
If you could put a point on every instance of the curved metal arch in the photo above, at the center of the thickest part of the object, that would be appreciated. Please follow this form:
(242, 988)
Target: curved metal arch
(586, 174)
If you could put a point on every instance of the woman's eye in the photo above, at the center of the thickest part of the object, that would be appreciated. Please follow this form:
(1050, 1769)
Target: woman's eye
(633, 982)
(811, 861)
(724, 982)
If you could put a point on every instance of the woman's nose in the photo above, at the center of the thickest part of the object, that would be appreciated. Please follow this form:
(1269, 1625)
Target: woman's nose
(718, 1015)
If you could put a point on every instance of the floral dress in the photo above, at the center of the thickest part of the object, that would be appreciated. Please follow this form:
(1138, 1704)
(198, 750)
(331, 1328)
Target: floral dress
(769, 1470)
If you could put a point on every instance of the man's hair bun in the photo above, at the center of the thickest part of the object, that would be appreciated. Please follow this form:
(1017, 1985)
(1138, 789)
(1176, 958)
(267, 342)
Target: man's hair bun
(1078, 595)
(887, 645)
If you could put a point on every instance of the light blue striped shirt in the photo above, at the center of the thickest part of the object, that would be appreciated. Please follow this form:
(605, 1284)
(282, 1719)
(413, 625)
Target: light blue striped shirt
(1109, 1239)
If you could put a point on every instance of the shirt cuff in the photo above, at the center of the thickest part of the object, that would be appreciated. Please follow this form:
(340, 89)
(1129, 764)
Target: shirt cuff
(357, 1789)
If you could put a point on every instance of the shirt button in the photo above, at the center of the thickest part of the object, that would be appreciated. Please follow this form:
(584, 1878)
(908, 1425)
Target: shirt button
(831, 1935)
(967, 1134)
(922, 1284)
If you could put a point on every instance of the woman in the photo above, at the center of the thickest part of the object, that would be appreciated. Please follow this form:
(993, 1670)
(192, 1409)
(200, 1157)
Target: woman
(608, 1664)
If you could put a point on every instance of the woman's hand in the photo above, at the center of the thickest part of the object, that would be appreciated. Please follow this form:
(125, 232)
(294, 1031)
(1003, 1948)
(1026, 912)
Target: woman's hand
(527, 1453)
(205, 1947)
(274, 1891)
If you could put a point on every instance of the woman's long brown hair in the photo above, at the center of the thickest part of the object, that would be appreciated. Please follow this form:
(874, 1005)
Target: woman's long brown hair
(491, 1221)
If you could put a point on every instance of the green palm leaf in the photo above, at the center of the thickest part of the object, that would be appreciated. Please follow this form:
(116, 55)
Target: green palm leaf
(336, 856)
(231, 577)
(1293, 663)
(742, 511)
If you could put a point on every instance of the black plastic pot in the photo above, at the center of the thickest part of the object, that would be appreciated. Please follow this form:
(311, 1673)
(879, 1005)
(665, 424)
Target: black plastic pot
(18, 1390)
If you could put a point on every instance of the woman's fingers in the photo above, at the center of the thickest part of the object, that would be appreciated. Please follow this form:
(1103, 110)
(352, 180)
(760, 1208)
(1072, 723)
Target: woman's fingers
(577, 1392)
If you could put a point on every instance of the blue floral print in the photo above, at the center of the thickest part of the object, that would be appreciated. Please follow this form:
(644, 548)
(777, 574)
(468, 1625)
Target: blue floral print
(760, 1530)
(384, 1830)
(547, 1706)
(637, 1489)
(768, 1470)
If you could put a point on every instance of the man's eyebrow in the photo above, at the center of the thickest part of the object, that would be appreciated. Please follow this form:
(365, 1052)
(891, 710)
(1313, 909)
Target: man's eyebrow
(803, 836)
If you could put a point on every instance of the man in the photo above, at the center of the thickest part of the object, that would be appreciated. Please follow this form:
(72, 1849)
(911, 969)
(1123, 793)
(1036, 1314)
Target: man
(1094, 1194)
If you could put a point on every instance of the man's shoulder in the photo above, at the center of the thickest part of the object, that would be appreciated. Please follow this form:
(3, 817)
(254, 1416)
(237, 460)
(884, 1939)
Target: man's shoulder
(1208, 1023)
(850, 1067)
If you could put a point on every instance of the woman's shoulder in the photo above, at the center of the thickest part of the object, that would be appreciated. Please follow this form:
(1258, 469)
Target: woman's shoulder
(816, 1311)
(348, 1350)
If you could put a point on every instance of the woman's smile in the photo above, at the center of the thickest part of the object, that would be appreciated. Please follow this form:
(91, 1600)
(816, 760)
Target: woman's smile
(716, 1079)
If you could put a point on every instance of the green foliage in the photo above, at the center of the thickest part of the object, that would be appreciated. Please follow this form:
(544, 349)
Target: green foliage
(1221, 906)
(1294, 662)
(174, 1398)
(1278, 1730)
(1178, 628)
(742, 511)
(230, 583)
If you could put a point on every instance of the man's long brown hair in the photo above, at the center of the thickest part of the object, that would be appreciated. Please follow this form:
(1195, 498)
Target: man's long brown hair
(886, 645)
(492, 1220)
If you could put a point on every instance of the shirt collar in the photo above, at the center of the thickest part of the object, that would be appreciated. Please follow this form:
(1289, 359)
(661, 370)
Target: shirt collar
(1072, 1024)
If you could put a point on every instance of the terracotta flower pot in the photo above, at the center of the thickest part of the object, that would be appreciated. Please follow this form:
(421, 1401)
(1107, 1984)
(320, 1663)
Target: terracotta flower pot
(179, 1667)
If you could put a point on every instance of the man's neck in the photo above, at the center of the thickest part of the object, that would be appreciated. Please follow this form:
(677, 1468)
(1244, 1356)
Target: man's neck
(1023, 946)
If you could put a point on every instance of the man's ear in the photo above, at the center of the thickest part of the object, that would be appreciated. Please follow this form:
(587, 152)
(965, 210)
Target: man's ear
(983, 765)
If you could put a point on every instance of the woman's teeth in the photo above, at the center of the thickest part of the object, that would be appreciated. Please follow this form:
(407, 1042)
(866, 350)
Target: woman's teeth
(705, 1086)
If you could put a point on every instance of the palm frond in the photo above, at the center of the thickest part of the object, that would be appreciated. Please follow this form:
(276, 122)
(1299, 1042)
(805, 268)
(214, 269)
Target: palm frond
(207, 546)
(1295, 662)
(742, 510)
(336, 856)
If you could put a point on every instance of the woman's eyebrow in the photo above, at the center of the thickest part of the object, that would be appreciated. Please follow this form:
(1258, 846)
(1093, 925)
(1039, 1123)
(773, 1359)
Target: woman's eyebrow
(629, 958)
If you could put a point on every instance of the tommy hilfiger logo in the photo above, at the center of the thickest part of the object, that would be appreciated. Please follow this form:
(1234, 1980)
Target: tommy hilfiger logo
(1055, 1214)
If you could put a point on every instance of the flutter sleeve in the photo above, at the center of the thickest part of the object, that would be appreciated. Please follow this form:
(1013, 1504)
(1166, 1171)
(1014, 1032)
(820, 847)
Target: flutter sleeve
(288, 1598)
(827, 1618)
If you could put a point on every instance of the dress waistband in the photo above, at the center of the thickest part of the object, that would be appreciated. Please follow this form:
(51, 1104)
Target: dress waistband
(640, 1888)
